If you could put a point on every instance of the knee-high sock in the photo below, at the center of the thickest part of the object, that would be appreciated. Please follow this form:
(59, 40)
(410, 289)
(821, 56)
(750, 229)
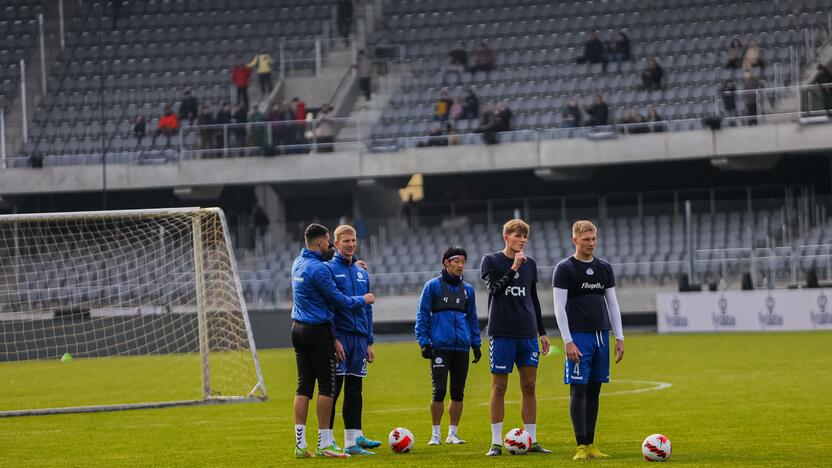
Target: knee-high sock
(577, 410)
(593, 393)
(339, 383)
(353, 402)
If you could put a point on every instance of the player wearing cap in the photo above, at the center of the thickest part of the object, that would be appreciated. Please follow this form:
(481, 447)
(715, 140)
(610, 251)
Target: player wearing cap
(446, 327)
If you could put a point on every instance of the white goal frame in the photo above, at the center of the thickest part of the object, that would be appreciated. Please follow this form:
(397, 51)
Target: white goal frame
(256, 394)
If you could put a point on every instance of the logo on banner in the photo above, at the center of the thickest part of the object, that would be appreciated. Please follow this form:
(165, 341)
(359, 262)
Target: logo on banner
(821, 317)
(723, 318)
(770, 319)
(676, 319)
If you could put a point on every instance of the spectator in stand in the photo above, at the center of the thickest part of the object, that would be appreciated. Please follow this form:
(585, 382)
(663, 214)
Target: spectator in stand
(470, 105)
(206, 135)
(622, 47)
(499, 121)
(168, 125)
(188, 108)
(484, 59)
(436, 137)
(651, 77)
(456, 109)
(655, 120)
(223, 118)
(240, 76)
(262, 62)
(300, 120)
(343, 20)
(139, 129)
(823, 78)
(749, 84)
(752, 56)
(280, 132)
(572, 115)
(324, 129)
(633, 123)
(457, 61)
(598, 112)
(734, 53)
(729, 98)
(442, 108)
(594, 50)
(258, 130)
(365, 73)
(239, 118)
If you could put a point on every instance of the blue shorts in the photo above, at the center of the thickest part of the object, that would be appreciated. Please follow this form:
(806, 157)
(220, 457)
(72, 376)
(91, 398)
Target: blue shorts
(505, 353)
(355, 349)
(595, 358)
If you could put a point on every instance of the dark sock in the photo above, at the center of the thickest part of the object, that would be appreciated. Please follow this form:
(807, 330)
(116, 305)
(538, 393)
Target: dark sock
(339, 382)
(353, 402)
(577, 411)
(593, 393)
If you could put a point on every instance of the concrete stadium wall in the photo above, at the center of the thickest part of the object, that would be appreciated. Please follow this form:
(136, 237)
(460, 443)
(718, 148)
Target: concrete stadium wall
(773, 139)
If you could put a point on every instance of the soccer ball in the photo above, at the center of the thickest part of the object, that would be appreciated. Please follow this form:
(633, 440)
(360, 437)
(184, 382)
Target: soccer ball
(656, 447)
(517, 441)
(400, 440)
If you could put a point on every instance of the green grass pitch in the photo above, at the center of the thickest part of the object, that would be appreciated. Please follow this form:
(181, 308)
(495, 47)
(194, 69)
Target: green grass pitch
(734, 400)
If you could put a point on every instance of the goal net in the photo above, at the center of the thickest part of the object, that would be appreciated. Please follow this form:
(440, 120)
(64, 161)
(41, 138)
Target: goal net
(122, 309)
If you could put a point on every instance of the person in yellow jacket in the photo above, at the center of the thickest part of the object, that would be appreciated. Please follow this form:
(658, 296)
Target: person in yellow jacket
(262, 63)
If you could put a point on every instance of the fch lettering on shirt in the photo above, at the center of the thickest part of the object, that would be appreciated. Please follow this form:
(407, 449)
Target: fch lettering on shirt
(586, 307)
(511, 311)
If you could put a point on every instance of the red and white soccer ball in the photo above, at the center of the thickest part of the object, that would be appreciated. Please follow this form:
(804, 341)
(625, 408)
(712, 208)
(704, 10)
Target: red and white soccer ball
(400, 440)
(656, 448)
(517, 441)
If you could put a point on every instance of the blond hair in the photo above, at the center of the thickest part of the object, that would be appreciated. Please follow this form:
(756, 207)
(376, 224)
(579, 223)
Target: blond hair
(344, 229)
(515, 225)
(582, 226)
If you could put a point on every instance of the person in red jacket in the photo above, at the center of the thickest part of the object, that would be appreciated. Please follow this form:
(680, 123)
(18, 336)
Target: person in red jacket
(300, 120)
(168, 125)
(240, 75)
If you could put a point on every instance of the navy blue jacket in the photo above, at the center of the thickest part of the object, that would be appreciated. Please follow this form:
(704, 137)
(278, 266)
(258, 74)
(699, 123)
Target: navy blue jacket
(447, 330)
(352, 280)
(314, 291)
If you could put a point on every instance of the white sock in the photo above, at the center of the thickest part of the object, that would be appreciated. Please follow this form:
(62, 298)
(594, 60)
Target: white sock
(300, 435)
(435, 431)
(452, 430)
(324, 438)
(532, 430)
(349, 437)
(497, 434)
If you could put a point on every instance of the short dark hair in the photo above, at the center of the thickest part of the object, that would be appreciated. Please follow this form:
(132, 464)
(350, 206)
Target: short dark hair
(453, 251)
(314, 231)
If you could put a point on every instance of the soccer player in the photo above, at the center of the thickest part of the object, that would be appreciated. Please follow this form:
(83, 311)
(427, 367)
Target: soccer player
(353, 340)
(313, 290)
(446, 327)
(514, 325)
(586, 308)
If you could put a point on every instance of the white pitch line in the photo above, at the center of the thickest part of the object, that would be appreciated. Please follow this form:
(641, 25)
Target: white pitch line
(655, 386)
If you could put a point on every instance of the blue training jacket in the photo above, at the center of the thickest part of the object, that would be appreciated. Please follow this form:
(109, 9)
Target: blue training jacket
(314, 291)
(447, 330)
(352, 280)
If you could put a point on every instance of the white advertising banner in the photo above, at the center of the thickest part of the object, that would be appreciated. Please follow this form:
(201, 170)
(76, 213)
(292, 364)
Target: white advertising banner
(759, 310)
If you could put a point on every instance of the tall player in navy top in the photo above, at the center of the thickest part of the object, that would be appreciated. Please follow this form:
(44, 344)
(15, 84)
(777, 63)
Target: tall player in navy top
(586, 308)
(514, 325)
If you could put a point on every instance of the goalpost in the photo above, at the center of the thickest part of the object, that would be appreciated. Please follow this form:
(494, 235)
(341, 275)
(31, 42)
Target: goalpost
(115, 310)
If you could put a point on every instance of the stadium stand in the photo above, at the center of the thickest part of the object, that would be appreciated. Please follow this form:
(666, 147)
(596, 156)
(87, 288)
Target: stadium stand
(18, 36)
(157, 51)
(538, 45)
(648, 249)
